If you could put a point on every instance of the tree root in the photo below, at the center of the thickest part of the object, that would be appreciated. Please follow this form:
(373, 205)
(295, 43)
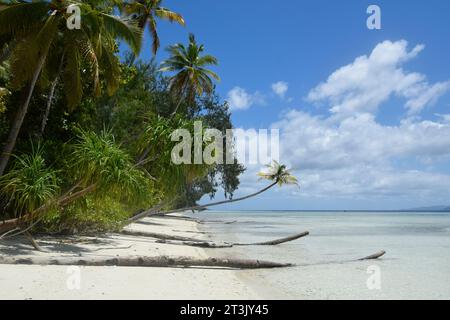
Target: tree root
(33, 242)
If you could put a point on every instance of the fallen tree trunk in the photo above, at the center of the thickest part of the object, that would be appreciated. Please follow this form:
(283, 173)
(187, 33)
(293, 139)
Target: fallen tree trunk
(185, 241)
(158, 235)
(174, 217)
(276, 241)
(374, 256)
(150, 212)
(200, 244)
(142, 261)
(8, 225)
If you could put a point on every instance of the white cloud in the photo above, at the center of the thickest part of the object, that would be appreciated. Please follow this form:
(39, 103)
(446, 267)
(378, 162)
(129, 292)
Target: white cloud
(348, 154)
(280, 88)
(365, 84)
(444, 117)
(239, 99)
(358, 157)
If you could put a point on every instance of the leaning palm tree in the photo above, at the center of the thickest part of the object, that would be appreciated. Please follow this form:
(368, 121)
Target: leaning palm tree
(40, 34)
(146, 12)
(192, 77)
(277, 173)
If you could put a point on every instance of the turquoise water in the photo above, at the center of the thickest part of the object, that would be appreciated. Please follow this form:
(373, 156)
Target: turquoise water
(416, 265)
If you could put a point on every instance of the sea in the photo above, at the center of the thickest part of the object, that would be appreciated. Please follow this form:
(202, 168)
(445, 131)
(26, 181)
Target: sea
(416, 264)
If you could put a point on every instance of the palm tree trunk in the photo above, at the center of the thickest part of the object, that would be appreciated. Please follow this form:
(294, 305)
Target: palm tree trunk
(182, 93)
(50, 97)
(20, 116)
(176, 108)
(198, 207)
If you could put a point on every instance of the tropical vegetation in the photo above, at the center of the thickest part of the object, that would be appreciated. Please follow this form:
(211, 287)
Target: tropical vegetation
(85, 125)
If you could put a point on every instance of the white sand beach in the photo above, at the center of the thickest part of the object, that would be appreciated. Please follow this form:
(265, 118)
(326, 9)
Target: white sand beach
(415, 266)
(51, 282)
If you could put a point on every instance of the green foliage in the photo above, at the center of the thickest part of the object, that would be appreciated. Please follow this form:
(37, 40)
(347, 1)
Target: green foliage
(4, 93)
(39, 30)
(116, 172)
(91, 215)
(99, 160)
(30, 183)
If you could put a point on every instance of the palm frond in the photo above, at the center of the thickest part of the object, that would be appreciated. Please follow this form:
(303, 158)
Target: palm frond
(164, 13)
(278, 173)
(20, 18)
(125, 30)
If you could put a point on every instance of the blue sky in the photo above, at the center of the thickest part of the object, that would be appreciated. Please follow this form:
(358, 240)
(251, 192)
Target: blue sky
(374, 141)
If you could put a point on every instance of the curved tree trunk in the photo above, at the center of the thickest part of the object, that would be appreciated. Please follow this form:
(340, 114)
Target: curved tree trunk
(149, 212)
(20, 116)
(198, 207)
(8, 225)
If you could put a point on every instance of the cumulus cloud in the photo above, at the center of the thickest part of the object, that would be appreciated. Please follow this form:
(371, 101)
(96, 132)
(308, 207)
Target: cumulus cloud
(365, 84)
(358, 157)
(280, 88)
(348, 154)
(239, 99)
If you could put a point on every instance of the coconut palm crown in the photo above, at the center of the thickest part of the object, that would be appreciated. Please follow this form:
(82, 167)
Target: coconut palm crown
(279, 174)
(146, 12)
(192, 78)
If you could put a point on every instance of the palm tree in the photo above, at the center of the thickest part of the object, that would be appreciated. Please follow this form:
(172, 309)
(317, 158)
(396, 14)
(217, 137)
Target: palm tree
(191, 78)
(40, 34)
(277, 173)
(146, 12)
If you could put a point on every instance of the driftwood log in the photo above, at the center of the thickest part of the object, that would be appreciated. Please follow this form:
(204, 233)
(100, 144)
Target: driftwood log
(168, 216)
(217, 245)
(276, 241)
(200, 244)
(142, 261)
(158, 235)
(374, 256)
(180, 240)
